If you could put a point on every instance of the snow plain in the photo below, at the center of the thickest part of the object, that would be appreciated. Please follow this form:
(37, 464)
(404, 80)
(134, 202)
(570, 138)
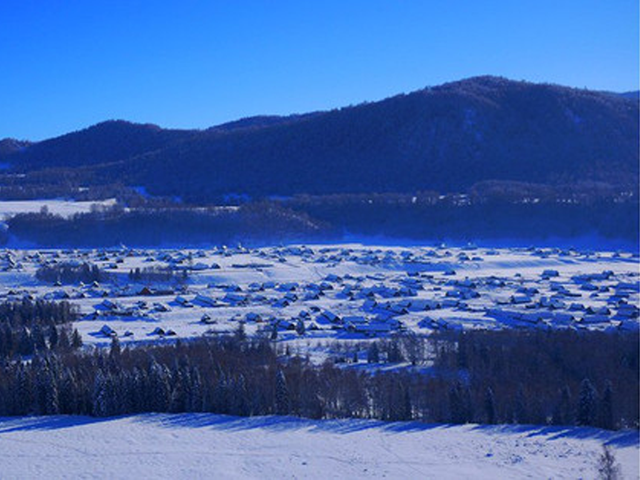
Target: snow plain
(419, 289)
(220, 447)
(63, 208)
(340, 292)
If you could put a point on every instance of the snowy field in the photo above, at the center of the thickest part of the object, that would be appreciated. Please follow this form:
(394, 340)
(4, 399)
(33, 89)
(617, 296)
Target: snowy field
(212, 446)
(64, 208)
(339, 292)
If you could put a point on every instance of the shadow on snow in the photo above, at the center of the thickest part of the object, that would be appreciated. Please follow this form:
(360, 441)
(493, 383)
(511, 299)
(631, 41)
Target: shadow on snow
(625, 438)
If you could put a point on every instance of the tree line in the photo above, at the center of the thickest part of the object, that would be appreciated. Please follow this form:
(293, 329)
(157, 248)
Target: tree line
(28, 327)
(258, 222)
(70, 273)
(481, 378)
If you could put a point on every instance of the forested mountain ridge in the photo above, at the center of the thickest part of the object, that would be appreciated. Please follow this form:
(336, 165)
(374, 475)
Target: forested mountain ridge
(11, 145)
(445, 139)
(105, 142)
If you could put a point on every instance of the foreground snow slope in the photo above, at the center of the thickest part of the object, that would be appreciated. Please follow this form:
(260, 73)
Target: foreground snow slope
(213, 446)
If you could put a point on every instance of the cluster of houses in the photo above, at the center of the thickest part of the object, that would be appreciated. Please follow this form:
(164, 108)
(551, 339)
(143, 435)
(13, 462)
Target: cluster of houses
(354, 290)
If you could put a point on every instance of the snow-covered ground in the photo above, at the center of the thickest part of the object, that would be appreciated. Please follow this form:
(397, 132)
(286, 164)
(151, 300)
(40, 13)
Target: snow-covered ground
(213, 446)
(64, 208)
(343, 292)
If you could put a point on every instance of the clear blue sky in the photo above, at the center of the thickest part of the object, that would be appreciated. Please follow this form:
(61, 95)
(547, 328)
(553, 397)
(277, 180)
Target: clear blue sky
(67, 64)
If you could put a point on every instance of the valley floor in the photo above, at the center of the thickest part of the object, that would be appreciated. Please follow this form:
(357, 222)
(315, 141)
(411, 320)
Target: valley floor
(213, 446)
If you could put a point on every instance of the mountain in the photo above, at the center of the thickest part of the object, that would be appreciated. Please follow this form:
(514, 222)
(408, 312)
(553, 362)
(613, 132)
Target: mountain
(110, 141)
(9, 146)
(635, 95)
(446, 138)
(259, 121)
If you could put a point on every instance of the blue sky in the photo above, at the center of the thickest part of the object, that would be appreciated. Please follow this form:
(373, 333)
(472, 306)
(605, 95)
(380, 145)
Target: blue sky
(192, 64)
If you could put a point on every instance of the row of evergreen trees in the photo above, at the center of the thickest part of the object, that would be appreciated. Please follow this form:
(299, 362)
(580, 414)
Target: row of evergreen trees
(27, 327)
(28, 313)
(560, 377)
(69, 273)
(156, 274)
(248, 377)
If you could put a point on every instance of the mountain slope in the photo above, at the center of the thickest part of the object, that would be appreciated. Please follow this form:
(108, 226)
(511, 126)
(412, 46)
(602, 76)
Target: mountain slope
(445, 138)
(9, 146)
(105, 142)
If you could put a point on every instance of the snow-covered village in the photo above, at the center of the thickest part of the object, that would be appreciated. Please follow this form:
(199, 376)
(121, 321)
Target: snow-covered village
(320, 239)
(361, 309)
(308, 295)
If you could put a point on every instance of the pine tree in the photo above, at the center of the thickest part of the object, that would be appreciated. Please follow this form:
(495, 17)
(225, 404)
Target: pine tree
(283, 404)
(76, 339)
(9, 341)
(159, 387)
(373, 353)
(606, 407)
(195, 401)
(587, 403)
(99, 399)
(139, 390)
(24, 395)
(239, 397)
(407, 408)
(116, 350)
(459, 408)
(562, 413)
(179, 393)
(53, 337)
(221, 395)
(240, 333)
(67, 395)
(394, 354)
(520, 410)
(46, 390)
(63, 339)
(300, 327)
(25, 344)
(37, 337)
(490, 406)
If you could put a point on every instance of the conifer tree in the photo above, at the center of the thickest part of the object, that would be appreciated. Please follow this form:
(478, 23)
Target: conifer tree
(196, 394)
(520, 410)
(67, 395)
(283, 403)
(240, 333)
(587, 403)
(459, 403)
(159, 387)
(24, 395)
(115, 350)
(25, 344)
(99, 399)
(373, 353)
(606, 407)
(490, 406)
(562, 412)
(76, 339)
(53, 337)
(300, 327)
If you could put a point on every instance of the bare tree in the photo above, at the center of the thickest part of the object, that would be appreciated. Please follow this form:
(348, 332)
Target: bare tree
(608, 468)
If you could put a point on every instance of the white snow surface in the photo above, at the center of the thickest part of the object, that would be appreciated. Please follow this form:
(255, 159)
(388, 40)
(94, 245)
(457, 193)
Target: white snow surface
(221, 447)
(418, 289)
(64, 208)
